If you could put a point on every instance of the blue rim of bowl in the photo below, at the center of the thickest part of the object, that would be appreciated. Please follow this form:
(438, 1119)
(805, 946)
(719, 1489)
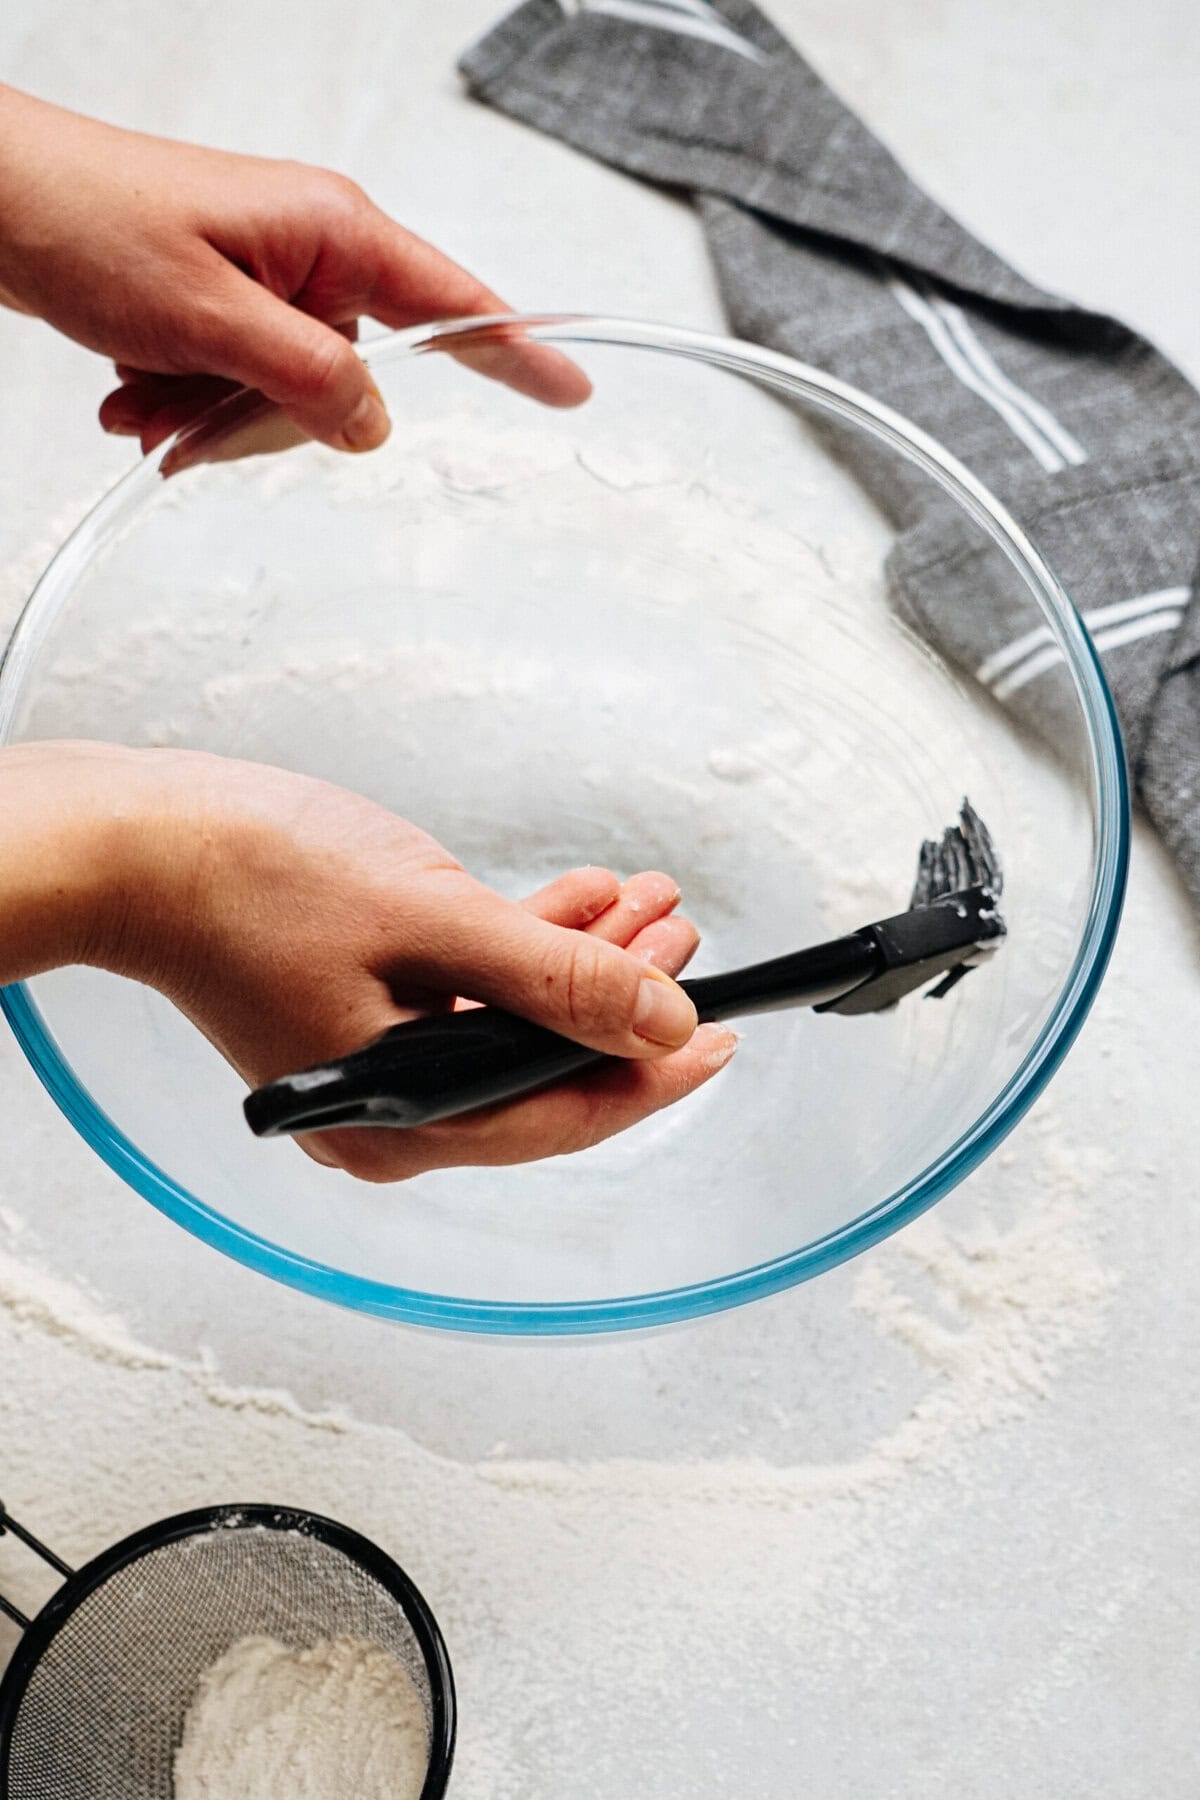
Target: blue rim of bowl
(668, 1305)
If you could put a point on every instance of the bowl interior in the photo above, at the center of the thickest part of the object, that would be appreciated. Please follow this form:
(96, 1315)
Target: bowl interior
(653, 631)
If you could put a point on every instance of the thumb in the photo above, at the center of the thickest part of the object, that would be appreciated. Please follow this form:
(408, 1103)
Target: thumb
(307, 368)
(491, 949)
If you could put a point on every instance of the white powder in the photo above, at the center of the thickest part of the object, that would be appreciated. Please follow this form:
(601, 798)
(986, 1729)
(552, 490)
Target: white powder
(572, 1593)
(36, 1298)
(62, 1309)
(20, 573)
(1001, 1309)
(338, 1721)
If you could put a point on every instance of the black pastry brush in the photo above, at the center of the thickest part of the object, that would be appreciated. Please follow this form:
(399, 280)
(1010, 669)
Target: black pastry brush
(451, 1063)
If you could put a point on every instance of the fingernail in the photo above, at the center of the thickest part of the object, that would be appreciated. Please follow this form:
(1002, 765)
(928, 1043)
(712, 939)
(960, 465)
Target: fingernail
(716, 1045)
(367, 426)
(655, 883)
(664, 1014)
(682, 950)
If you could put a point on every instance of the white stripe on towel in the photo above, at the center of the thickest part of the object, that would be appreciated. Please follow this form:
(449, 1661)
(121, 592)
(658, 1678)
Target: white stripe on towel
(985, 364)
(690, 23)
(1104, 641)
(700, 9)
(1123, 622)
(1162, 600)
(948, 331)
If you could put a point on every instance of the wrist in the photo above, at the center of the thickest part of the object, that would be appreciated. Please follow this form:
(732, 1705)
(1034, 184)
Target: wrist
(23, 122)
(52, 861)
(85, 857)
(48, 162)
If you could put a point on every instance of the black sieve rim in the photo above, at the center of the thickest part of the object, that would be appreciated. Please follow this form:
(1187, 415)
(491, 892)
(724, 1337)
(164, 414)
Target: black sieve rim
(351, 1544)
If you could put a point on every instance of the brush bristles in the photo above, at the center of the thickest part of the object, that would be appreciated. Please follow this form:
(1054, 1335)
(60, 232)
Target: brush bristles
(964, 858)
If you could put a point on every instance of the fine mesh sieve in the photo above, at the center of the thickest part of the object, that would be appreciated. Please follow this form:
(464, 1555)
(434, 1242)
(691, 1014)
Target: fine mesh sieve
(93, 1704)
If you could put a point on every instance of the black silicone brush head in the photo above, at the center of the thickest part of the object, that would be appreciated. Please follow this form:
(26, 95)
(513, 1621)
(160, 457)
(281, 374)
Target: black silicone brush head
(965, 857)
(952, 925)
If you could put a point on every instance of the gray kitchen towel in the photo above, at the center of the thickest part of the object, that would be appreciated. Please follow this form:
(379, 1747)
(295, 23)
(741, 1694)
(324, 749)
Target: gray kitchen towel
(825, 249)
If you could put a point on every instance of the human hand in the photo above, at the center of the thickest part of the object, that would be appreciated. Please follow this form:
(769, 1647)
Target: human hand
(199, 271)
(294, 922)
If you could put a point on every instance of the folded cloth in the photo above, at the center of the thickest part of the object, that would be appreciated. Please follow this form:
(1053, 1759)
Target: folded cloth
(825, 249)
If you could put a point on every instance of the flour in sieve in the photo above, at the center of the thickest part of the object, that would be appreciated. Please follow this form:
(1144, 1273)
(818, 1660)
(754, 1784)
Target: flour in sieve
(340, 1720)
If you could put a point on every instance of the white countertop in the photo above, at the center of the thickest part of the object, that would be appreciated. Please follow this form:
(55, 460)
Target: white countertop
(899, 1533)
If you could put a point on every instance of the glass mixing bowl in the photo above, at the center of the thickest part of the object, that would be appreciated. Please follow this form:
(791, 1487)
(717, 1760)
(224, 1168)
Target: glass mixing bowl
(653, 631)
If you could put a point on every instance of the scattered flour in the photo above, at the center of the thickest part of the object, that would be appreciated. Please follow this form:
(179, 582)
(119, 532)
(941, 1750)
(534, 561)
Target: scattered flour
(43, 1303)
(571, 1594)
(39, 1302)
(1001, 1309)
(338, 1721)
(20, 573)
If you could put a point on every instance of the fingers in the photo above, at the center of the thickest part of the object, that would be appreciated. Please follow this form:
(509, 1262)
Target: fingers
(640, 921)
(642, 899)
(573, 900)
(570, 1117)
(299, 355)
(406, 281)
(154, 413)
(243, 425)
(307, 368)
(150, 407)
(462, 936)
(576, 898)
(414, 283)
(520, 363)
(669, 944)
(153, 407)
(410, 283)
(638, 915)
(633, 916)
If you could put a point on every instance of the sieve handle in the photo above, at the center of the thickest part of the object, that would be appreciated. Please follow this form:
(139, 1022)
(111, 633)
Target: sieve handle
(7, 1524)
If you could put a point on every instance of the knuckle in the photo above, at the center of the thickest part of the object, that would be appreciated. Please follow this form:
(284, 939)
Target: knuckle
(596, 989)
(476, 297)
(321, 364)
(209, 326)
(339, 198)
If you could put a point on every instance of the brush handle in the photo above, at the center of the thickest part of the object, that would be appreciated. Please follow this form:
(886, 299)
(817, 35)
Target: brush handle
(804, 978)
(434, 1068)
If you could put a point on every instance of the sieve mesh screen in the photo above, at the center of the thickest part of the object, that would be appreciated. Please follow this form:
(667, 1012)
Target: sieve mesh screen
(102, 1712)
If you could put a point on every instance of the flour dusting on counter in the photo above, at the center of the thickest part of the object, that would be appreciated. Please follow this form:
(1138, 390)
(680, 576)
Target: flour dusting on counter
(562, 1584)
